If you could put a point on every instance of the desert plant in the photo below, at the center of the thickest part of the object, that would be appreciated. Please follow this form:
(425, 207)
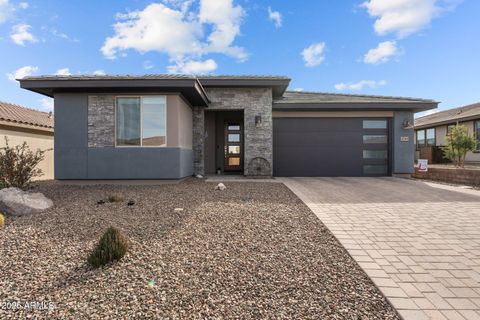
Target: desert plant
(459, 142)
(2, 220)
(112, 246)
(18, 165)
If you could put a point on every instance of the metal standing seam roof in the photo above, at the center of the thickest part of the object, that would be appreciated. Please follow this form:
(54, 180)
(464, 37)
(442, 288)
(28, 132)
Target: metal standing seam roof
(16, 114)
(468, 112)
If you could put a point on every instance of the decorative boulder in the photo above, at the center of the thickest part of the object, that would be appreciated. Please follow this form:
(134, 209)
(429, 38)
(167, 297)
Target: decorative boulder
(220, 186)
(16, 202)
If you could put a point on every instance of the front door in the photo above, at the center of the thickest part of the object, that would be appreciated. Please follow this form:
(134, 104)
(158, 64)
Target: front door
(233, 146)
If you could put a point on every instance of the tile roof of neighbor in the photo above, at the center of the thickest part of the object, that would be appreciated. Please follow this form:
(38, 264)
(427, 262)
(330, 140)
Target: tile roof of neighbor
(16, 114)
(471, 111)
(322, 97)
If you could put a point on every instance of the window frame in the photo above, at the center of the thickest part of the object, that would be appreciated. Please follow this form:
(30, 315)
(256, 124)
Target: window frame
(424, 138)
(141, 119)
(434, 137)
(476, 126)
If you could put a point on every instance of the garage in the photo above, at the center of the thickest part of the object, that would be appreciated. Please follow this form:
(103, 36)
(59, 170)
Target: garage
(331, 147)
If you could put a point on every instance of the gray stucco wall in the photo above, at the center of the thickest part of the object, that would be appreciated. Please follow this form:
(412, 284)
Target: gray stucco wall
(403, 151)
(257, 140)
(74, 159)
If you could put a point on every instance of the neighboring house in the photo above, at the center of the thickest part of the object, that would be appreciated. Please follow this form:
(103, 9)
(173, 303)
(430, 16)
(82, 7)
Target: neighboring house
(432, 130)
(21, 125)
(172, 126)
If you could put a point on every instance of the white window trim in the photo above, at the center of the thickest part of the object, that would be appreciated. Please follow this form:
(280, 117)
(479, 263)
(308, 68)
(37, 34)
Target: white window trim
(141, 121)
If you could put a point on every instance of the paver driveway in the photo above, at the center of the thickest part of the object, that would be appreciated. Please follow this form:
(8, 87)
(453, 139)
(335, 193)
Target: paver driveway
(418, 242)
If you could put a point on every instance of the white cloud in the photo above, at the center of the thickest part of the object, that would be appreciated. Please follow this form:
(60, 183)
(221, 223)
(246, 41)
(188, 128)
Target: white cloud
(99, 72)
(46, 104)
(179, 31)
(404, 17)
(6, 10)
(275, 16)
(298, 89)
(426, 113)
(22, 72)
(63, 72)
(194, 67)
(21, 34)
(382, 53)
(62, 35)
(147, 65)
(314, 55)
(225, 19)
(23, 5)
(357, 86)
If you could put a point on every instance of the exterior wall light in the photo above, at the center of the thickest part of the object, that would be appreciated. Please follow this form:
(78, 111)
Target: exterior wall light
(407, 124)
(258, 121)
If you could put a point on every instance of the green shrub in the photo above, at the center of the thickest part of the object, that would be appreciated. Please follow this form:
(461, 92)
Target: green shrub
(18, 165)
(112, 247)
(459, 142)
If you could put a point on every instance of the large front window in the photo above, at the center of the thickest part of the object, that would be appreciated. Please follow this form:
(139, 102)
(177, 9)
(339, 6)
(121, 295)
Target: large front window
(426, 137)
(141, 121)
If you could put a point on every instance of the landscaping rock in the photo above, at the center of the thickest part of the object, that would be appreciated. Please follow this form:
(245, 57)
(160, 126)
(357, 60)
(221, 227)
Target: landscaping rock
(16, 202)
(199, 176)
(220, 187)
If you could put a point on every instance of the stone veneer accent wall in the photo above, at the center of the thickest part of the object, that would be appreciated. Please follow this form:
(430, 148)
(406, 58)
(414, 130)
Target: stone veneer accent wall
(257, 140)
(101, 121)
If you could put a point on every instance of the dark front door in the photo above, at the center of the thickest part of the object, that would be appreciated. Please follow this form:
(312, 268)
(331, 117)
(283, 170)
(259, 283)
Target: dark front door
(233, 146)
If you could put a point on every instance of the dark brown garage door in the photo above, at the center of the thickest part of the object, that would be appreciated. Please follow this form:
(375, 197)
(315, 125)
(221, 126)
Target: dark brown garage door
(329, 147)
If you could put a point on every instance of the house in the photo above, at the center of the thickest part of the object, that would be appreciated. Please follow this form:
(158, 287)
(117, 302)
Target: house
(20, 124)
(173, 126)
(432, 130)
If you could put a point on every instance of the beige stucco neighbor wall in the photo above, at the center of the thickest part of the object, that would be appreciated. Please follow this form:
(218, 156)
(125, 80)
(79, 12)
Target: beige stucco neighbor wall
(36, 140)
(441, 139)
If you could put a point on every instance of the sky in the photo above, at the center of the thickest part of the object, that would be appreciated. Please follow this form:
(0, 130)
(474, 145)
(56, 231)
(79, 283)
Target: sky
(415, 48)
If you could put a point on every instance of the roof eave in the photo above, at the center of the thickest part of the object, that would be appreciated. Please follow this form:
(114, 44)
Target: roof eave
(348, 106)
(278, 86)
(447, 122)
(190, 88)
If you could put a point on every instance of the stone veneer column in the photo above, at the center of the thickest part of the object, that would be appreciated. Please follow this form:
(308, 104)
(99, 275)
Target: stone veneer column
(101, 121)
(198, 140)
(258, 151)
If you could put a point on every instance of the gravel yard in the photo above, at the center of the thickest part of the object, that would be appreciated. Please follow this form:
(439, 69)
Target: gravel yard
(251, 251)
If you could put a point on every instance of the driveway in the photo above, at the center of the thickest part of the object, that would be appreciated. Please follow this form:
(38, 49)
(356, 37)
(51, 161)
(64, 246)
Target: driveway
(418, 241)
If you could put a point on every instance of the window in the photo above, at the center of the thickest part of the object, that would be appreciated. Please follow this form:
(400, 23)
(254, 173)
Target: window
(449, 128)
(430, 137)
(373, 169)
(374, 124)
(233, 137)
(477, 133)
(375, 154)
(141, 121)
(421, 138)
(367, 139)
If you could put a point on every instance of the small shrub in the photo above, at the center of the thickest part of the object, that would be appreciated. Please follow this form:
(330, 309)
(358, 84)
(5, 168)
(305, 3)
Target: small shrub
(2, 220)
(18, 165)
(112, 247)
(115, 198)
(459, 142)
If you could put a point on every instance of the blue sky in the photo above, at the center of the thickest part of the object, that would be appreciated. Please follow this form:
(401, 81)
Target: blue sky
(419, 48)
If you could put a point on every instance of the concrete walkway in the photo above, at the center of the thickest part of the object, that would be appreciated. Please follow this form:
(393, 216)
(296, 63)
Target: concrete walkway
(419, 242)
